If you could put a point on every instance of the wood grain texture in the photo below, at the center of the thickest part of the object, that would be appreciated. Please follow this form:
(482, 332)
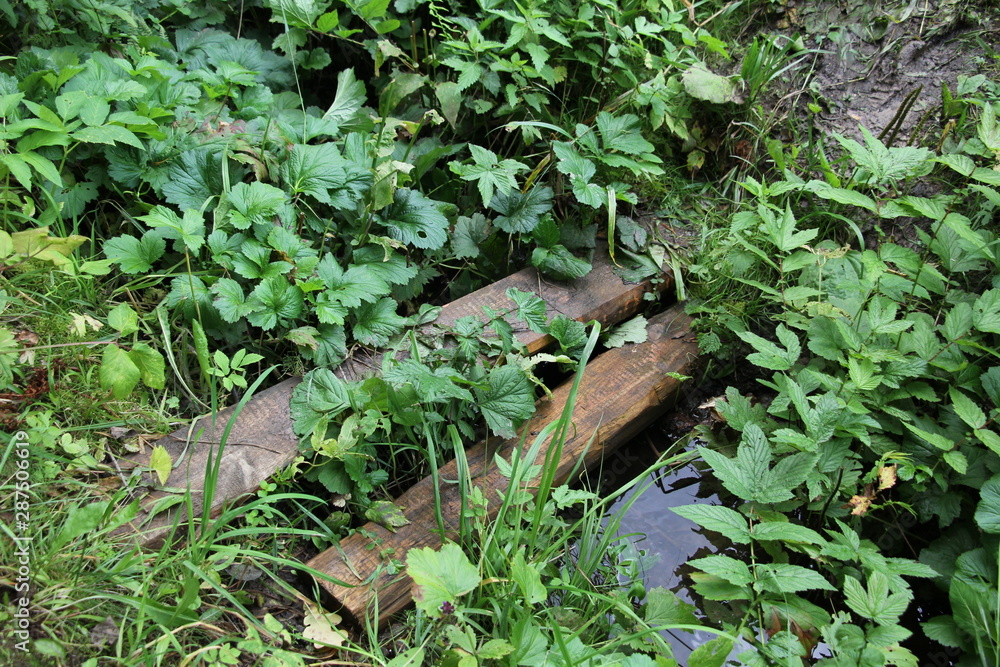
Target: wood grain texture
(262, 441)
(621, 392)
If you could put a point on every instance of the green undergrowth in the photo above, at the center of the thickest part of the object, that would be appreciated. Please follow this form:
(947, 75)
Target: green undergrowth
(873, 468)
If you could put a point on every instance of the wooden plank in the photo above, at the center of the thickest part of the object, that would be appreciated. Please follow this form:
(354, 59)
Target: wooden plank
(621, 393)
(262, 441)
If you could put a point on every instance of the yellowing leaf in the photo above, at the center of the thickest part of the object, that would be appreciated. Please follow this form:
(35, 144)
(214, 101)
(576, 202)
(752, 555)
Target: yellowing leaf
(37, 243)
(81, 322)
(161, 463)
(887, 477)
(321, 628)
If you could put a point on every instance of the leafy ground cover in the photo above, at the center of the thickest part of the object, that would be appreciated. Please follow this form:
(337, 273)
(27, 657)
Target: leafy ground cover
(200, 199)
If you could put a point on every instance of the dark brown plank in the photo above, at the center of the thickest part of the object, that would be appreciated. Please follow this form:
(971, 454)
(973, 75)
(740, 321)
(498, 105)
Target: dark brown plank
(621, 392)
(262, 441)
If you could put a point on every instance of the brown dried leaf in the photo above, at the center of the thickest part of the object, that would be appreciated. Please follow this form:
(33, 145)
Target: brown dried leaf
(887, 477)
(860, 504)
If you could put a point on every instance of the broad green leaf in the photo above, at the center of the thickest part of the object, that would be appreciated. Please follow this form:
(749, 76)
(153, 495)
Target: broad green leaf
(783, 578)
(133, 255)
(874, 601)
(351, 287)
(377, 322)
(37, 244)
(729, 523)
(621, 133)
(957, 460)
(530, 308)
(966, 409)
(321, 395)
(254, 203)
(322, 173)
(507, 400)
(450, 96)
(196, 176)
(528, 579)
(663, 607)
(986, 311)
(732, 570)
(230, 300)
(769, 355)
(988, 509)
(469, 235)
(936, 439)
(571, 334)
(188, 231)
(703, 84)
(349, 99)
(632, 331)
(521, 212)
(841, 195)
(150, 364)
(491, 174)
(118, 373)
(786, 532)
(440, 577)
(331, 347)
(123, 319)
(296, 13)
(107, 134)
(559, 263)
(712, 653)
(274, 302)
(161, 463)
(415, 220)
(988, 438)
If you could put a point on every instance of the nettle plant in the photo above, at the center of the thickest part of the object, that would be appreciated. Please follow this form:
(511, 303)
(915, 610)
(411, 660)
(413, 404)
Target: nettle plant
(883, 426)
(429, 399)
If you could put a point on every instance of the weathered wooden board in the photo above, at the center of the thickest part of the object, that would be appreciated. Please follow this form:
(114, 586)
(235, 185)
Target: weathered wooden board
(262, 441)
(621, 392)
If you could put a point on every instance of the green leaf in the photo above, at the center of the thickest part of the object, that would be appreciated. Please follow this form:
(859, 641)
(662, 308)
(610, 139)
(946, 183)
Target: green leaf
(189, 231)
(841, 195)
(986, 311)
(632, 331)
(107, 134)
(571, 334)
(351, 287)
(118, 373)
(490, 173)
(521, 212)
(703, 84)
(415, 220)
(230, 300)
(440, 576)
(450, 96)
(874, 601)
(123, 319)
(254, 203)
(528, 579)
(274, 301)
(663, 607)
(782, 578)
(161, 463)
(988, 509)
(769, 355)
(470, 233)
(322, 173)
(321, 395)
(196, 176)
(559, 263)
(966, 409)
(349, 99)
(377, 322)
(734, 571)
(150, 364)
(712, 653)
(530, 308)
(507, 401)
(727, 522)
(621, 133)
(786, 532)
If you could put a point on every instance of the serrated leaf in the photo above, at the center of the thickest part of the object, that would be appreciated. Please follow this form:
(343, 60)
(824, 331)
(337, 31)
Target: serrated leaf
(254, 203)
(161, 463)
(986, 311)
(632, 331)
(621, 133)
(841, 195)
(230, 300)
(187, 230)
(150, 364)
(274, 301)
(386, 514)
(786, 532)
(727, 522)
(988, 509)
(559, 263)
(769, 355)
(520, 212)
(470, 233)
(732, 570)
(377, 322)
(321, 394)
(123, 319)
(530, 308)
(322, 173)
(415, 220)
(349, 99)
(507, 401)
(783, 578)
(107, 134)
(703, 84)
(196, 176)
(528, 579)
(493, 176)
(118, 373)
(440, 577)
(966, 408)
(351, 287)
